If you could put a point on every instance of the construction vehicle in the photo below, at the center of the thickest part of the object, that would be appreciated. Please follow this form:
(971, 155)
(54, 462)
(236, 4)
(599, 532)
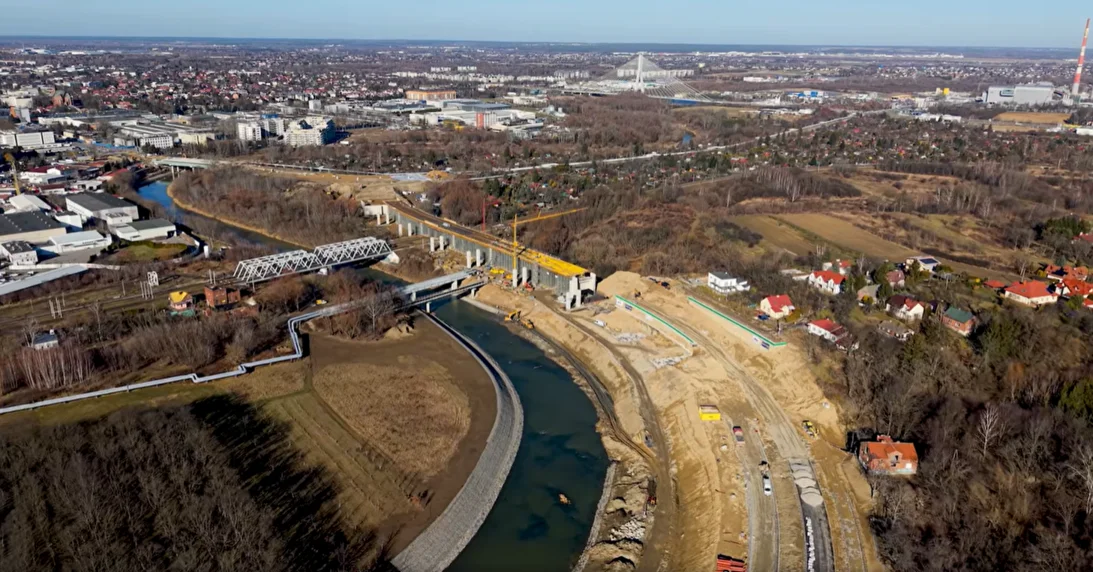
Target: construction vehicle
(496, 271)
(14, 172)
(528, 324)
(730, 564)
(513, 316)
(436, 175)
(810, 429)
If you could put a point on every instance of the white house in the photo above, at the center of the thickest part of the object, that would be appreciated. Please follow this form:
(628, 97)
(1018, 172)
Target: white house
(927, 263)
(905, 307)
(724, 284)
(777, 307)
(1031, 293)
(827, 330)
(826, 281)
(19, 252)
(102, 206)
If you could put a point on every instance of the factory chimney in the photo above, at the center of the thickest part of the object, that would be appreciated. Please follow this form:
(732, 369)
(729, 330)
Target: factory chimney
(1074, 91)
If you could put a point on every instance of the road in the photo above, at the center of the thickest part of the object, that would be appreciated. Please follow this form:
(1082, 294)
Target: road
(438, 546)
(781, 431)
(762, 509)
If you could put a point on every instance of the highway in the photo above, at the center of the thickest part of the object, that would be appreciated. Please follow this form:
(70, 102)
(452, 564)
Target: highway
(438, 546)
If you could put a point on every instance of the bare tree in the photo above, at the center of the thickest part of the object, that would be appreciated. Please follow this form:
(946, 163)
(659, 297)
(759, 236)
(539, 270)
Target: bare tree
(990, 427)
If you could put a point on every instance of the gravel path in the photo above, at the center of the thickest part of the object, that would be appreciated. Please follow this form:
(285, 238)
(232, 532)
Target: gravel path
(435, 548)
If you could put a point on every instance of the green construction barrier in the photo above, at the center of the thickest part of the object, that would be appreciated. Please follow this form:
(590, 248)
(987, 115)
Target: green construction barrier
(764, 341)
(628, 304)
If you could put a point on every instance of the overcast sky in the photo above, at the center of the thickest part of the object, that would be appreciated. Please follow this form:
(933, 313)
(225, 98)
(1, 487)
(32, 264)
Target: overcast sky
(1008, 23)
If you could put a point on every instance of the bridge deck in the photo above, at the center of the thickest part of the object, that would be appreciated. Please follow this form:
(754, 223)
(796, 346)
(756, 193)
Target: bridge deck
(436, 282)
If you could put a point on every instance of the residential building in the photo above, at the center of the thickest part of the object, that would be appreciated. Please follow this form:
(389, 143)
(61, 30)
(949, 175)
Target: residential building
(895, 330)
(1072, 287)
(152, 229)
(35, 227)
(724, 284)
(430, 94)
(85, 240)
(249, 131)
(1030, 293)
(180, 302)
(927, 263)
(896, 278)
(19, 253)
(102, 206)
(826, 281)
(827, 330)
(42, 175)
(311, 131)
(841, 266)
(887, 457)
(777, 307)
(905, 307)
(959, 321)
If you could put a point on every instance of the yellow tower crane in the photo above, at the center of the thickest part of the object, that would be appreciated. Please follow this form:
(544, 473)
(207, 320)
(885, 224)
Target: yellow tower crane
(516, 246)
(14, 172)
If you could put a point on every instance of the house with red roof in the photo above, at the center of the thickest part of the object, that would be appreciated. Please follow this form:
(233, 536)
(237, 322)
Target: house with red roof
(827, 329)
(777, 307)
(1072, 287)
(1030, 293)
(995, 284)
(887, 457)
(905, 307)
(840, 266)
(826, 281)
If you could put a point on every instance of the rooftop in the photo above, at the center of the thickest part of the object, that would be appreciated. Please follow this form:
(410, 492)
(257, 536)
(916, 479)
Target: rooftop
(98, 201)
(151, 224)
(76, 237)
(958, 315)
(1030, 289)
(17, 246)
(27, 221)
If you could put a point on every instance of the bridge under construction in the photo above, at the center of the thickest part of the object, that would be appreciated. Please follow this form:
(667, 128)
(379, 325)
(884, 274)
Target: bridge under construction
(572, 283)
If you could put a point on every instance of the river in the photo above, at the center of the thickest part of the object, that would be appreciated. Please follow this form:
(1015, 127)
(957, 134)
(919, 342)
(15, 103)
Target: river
(529, 529)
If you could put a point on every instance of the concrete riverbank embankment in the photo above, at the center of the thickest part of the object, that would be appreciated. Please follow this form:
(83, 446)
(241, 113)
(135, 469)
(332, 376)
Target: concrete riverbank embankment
(438, 546)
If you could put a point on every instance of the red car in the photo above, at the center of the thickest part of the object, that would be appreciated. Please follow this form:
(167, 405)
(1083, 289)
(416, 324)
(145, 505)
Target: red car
(738, 433)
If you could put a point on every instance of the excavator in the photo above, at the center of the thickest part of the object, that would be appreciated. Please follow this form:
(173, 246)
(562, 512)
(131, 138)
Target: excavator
(514, 316)
(14, 172)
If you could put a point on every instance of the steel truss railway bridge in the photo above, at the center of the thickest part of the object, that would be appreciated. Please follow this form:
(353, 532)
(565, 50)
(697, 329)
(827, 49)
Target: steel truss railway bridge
(301, 261)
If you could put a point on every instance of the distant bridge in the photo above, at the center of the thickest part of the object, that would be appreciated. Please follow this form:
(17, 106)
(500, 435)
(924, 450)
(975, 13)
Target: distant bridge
(301, 261)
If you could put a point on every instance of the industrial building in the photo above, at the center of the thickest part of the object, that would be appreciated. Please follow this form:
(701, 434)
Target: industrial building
(34, 227)
(27, 139)
(1026, 94)
(310, 131)
(102, 206)
(161, 135)
(19, 253)
(85, 240)
(27, 203)
(152, 229)
(430, 94)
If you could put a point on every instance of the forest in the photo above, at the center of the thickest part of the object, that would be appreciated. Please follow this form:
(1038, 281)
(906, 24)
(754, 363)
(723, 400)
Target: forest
(215, 485)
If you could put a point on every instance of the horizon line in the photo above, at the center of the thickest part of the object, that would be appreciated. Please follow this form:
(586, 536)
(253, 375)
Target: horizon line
(519, 42)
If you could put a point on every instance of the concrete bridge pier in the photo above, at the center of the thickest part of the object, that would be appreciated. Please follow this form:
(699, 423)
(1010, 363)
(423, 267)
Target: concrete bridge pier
(524, 275)
(432, 244)
(387, 215)
(478, 257)
(474, 292)
(378, 219)
(443, 242)
(468, 259)
(428, 307)
(455, 284)
(413, 296)
(410, 229)
(400, 230)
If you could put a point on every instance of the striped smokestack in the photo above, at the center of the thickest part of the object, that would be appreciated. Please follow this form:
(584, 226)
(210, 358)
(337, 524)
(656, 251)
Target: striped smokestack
(1081, 63)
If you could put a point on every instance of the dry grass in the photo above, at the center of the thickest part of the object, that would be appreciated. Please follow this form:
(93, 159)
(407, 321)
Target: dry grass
(369, 493)
(416, 415)
(269, 382)
(848, 236)
(1035, 117)
(775, 232)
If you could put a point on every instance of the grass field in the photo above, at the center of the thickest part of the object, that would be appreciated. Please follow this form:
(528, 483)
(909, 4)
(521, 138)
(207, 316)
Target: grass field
(848, 236)
(775, 233)
(1039, 118)
(148, 252)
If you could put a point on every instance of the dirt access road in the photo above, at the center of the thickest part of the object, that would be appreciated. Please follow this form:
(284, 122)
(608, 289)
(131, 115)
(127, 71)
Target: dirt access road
(782, 391)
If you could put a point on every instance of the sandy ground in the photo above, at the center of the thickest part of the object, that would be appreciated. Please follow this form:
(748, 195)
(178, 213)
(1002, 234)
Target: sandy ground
(711, 517)
(785, 373)
(432, 351)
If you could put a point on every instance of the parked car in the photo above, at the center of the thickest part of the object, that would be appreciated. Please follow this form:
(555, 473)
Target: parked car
(767, 488)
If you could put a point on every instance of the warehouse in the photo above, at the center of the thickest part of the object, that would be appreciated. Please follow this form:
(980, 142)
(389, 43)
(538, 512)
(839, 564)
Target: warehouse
(430, 94)
(34, 227)
(102, 206)
(19, 253)
(86, 240)
(27, 203)
(153, 229)
(1028, 94)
